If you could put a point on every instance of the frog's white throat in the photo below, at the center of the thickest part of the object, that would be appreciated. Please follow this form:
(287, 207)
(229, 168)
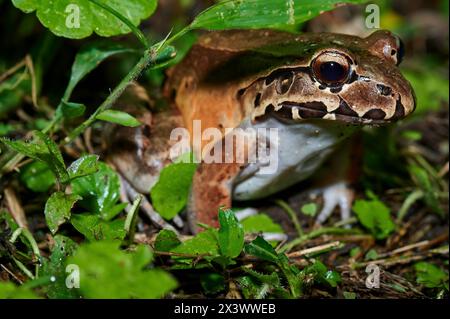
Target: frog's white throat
(299, 151)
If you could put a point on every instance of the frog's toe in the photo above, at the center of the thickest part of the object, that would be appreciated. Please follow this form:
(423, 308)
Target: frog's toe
(335, 195)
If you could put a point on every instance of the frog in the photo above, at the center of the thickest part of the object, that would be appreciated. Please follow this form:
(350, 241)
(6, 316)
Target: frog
(317, 90)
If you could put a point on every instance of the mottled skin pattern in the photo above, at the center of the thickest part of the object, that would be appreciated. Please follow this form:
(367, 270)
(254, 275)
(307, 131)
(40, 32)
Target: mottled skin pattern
(235, 76)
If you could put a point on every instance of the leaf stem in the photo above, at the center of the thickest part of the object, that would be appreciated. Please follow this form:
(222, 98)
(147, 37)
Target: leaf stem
(144, 62)
(138, 33)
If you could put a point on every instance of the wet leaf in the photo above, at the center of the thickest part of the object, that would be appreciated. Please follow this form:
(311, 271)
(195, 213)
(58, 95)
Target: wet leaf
(57, 209)
(100, 191)
(78, 19)
(252, 14)
(85, 165)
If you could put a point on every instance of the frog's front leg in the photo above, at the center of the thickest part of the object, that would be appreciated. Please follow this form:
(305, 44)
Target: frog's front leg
(211, 189)
(336, 179)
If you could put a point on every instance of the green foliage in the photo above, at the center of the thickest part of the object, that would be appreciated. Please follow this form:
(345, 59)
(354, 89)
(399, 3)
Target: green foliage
(166, 240)
(72, 110)
(118, 117)
(94, 228)
(60, 18)
(42, 149)
(430, 87)
(100, 192)
(261, 249)
(170, 194)
(231, 234)
(260, 223)
(430, 275)
(321, 274)
(212, 283)
(10, 291)
(86, 60)
(108, 272)
(234, 14)
(204, 243)
(56, 268)
(57, 209)
(309, 209)
(85, 165)
(37, 176)
(375, 216)
(425, 182)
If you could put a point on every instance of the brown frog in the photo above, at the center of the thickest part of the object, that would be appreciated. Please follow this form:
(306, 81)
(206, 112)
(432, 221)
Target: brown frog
(314, 89)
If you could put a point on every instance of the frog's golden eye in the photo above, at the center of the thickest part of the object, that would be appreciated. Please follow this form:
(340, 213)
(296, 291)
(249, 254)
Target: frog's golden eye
(331, 68)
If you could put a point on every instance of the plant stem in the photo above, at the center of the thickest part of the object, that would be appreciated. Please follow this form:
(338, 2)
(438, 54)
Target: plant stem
(138, 33)
(292, 215)
(26, 233)
(144, 62)
(130, 221)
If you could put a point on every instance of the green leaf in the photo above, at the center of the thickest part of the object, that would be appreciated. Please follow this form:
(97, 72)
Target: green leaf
(10, 291)
(424, 181)
(42, 149)
(273, 279)
(78, 19)
(212, 283)
(260, 223)
(37, 176)
(371, 255)
(349, 295)
(108, 272)
(430, 275)
(100, 191)
(71, 110)
(252, 14)
(261, 249)
(57, 209)
(231, 234)
(56, 267)
(118, 117)
(203, 243)
(166, 240)
(87, 59)
(85, 165)
(309, 209)
(170, 193)
(375, 216)
(321, 274)
(94, 228)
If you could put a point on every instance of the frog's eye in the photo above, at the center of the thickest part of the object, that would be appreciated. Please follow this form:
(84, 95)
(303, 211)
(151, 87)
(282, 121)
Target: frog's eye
(331, 68)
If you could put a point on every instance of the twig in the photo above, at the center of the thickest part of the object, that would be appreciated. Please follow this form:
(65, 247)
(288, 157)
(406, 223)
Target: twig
(317, 233)
(317, 249)
(11, 274)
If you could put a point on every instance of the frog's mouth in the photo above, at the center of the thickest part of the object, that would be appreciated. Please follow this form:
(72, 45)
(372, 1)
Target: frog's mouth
(294, 111)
